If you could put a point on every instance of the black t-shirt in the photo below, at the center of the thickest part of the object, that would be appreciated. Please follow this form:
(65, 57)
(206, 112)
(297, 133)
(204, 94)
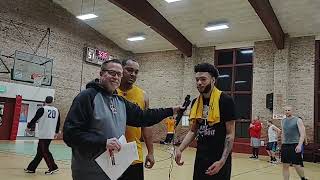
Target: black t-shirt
(211, 139)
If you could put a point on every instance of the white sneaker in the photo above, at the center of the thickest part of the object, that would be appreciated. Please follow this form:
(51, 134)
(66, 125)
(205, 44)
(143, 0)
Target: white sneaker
(51, 172)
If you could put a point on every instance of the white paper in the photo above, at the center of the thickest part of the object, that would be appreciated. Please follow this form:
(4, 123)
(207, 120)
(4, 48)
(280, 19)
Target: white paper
(123, 159)
(122, 139)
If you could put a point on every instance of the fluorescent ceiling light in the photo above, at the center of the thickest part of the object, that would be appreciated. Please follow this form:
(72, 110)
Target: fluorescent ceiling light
(224, 76)
(248, 51)
(136, 38)
(171, 1)
(216, 27)
(87, 16)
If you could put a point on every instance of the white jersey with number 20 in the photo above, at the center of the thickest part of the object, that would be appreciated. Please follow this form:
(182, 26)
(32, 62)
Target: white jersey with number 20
(48, 122)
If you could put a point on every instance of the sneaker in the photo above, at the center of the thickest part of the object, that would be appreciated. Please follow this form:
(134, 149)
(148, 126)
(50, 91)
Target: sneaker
(274, 162)
(163, 142)
(29, 171)
(252, 157)
(51, 171)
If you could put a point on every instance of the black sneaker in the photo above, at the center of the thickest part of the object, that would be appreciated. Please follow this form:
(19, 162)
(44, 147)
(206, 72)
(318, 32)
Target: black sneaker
(29, 171)
(51, 171)
(252, 157)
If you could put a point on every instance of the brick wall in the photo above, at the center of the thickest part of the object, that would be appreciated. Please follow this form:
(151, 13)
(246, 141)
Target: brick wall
(301, 80)
(289, 74)
(168, 77)
(68, 38)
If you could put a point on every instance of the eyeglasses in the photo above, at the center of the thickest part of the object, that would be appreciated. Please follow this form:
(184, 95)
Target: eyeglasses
(113, 73)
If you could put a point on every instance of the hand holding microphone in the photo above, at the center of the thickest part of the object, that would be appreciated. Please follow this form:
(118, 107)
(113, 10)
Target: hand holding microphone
(180, 109)
(180, 112)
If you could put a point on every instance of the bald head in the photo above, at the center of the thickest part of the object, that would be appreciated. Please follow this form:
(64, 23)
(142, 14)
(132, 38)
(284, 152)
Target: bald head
(288, 111)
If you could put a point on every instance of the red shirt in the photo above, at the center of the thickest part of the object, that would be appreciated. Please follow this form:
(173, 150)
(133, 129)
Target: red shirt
(255, 130)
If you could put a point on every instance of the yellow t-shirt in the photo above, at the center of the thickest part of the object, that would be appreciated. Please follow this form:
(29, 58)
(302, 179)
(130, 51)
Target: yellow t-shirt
(134, 95)
(170, 122)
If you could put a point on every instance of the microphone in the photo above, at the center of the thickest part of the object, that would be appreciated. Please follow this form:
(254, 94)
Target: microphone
(180, 112)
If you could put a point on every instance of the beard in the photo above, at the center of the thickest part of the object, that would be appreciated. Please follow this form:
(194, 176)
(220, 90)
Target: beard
(207, 89)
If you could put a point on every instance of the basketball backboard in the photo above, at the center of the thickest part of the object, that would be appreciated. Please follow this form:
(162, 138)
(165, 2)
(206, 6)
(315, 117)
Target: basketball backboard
(25, 65)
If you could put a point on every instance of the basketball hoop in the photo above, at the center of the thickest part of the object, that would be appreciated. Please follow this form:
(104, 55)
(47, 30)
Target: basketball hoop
(37, 79)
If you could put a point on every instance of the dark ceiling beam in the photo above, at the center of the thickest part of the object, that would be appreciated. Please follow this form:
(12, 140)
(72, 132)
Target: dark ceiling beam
(264, 10)
(146, 13)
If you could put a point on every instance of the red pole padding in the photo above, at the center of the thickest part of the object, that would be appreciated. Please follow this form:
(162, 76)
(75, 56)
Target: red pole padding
(16, 117)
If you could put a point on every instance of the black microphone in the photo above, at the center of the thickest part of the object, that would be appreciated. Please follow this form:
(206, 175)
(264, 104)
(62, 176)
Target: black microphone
(180, 112)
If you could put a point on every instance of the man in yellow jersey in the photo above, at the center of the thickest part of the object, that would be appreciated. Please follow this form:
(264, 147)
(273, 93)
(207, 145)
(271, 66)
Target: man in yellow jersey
(170, 122)
(136, 95)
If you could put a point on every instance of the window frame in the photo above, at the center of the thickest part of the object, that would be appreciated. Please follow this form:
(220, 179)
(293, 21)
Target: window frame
(233, 66)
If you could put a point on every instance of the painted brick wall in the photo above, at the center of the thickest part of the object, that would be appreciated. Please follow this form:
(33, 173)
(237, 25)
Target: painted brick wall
(301, 80)
(68, 38)
(297, 60)
(168, 77)
(289, 73)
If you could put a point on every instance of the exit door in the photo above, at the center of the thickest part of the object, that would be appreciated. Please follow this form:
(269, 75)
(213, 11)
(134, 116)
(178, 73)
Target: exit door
(6, 114)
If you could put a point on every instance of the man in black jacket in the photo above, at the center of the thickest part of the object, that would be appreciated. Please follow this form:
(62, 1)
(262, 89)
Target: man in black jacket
(98, 117)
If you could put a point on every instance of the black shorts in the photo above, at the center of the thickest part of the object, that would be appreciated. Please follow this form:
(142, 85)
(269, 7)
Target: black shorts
(289, 155)
(134, 171)
(202, 164)
(272, 146)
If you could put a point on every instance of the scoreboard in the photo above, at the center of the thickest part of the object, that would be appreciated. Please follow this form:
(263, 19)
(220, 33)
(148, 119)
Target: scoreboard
(96, 56)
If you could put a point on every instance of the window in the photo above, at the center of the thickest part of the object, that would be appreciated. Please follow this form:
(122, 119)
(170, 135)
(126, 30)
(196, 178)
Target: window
(243, 78)
(244, 56)
(225, 79)
(235, 68)
(225, 57)
(243, 105)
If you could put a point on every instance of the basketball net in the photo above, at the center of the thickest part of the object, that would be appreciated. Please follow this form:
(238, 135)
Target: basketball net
(37, 79)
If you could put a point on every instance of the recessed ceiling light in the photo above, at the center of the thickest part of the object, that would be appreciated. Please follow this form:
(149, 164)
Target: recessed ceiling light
(171, 1)
(214, 27)
(87, 16)
(136, 38)
(248, 51)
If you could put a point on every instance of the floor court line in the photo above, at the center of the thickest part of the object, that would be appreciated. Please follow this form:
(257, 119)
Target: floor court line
(22, 152)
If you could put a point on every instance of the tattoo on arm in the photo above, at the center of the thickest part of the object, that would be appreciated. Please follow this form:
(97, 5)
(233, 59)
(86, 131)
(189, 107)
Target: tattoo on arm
(228, 143)
(227, 148)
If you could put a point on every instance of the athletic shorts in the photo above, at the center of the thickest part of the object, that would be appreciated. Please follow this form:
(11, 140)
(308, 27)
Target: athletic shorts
(289, 155)
(255, 142)
(202, 164)
(134, 172)
(272, 146)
